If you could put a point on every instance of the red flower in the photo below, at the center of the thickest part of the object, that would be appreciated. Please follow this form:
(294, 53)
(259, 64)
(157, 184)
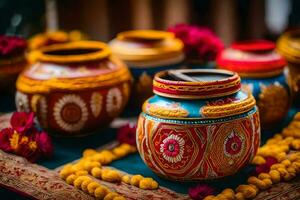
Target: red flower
(44, 143)
(22, 121)
(10, 45)
(199, 192)
(126, 134)
(5, 135)
(199, 41)
(265, 168)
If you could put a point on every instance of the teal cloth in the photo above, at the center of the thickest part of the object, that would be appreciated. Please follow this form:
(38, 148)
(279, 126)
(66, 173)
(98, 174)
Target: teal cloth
(69, 149)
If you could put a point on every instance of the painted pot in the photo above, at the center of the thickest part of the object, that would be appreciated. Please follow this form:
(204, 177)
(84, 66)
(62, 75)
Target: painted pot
(262, 71)
(199, 125)
(74, 88)
(12, 61)
(288, 46)
(147, 52)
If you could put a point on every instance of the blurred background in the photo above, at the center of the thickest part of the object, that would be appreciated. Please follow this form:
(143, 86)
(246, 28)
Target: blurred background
(103, 19)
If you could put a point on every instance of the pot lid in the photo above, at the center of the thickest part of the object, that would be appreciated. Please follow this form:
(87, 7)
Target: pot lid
(288, 45)
(146, 45)
(251, 57)
(197, 94)
(72, 66)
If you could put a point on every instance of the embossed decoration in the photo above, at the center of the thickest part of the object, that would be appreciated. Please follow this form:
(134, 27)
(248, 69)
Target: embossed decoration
(273, 102)
(114, 101)
(173, 110)
(185, 151)
(172, 148)
(22, 102)
(96, 103)
(70, 113)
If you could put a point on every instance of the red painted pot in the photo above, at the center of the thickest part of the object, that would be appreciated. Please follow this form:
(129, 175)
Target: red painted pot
(74, 88)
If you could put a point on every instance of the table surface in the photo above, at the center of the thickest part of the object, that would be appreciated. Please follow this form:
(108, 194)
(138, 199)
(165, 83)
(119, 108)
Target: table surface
(69, 149)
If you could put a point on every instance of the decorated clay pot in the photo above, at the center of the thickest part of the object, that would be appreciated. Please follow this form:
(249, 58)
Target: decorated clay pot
(199, 125)
(262, 71)
(147, 52)
(288, 46)
(74, 88)
(12, 61)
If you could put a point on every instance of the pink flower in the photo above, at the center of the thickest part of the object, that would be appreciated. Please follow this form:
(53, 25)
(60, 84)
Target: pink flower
(10, 45)
(5, 135)
(199, 192)
(22, 121)
(126, 134)
(44, 143)
(265, 168)
(171, 148)
(198, 41)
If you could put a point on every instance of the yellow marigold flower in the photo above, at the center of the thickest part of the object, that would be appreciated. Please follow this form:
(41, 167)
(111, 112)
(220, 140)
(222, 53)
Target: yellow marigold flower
(77, 167)
(262, 176)
(147, 184)
(246, 191)
(99, 158)
(296, 144)
(286, 162)
(275, 176)
(81, 173)
(14, 140)
(90, 165)
(135, 180)
(280, 156)
(261, 184)
(96, 172)
(294, 156)
(283, 172)
(111, 175)
(277, 165)
(228, 193)
(70, 179)
(65, 172)
(258, 160)
(119, 198)
(239, 196)
(89, 152)
(296, 166)
(76, 35)
(209, 197)
(126, 179)
(92, 187)
(78, 181)
(289, 176)
(84, 184)
(111, 196)
(119, 152)
(101, 192)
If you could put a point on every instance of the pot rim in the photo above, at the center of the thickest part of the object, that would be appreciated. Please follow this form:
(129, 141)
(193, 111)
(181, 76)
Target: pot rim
(101, 51)
(289, 46)
(196, 89)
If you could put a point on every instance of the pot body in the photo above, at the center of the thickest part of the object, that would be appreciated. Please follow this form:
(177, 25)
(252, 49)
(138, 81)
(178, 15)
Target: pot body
(182, 137)
(73, 99)
(273, 97)
(204, 149)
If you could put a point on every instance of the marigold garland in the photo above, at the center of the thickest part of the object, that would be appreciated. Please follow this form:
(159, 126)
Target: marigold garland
(90, 165)
(286, 168)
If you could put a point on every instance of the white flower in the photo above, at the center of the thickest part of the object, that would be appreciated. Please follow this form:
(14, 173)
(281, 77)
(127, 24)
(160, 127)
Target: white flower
(96, 103)
(70, 113)
(113, 101)
(22, 102)
(172, 148)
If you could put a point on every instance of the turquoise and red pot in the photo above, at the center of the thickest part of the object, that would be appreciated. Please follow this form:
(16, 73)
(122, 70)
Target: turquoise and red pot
(199, 125)
(263, 74)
